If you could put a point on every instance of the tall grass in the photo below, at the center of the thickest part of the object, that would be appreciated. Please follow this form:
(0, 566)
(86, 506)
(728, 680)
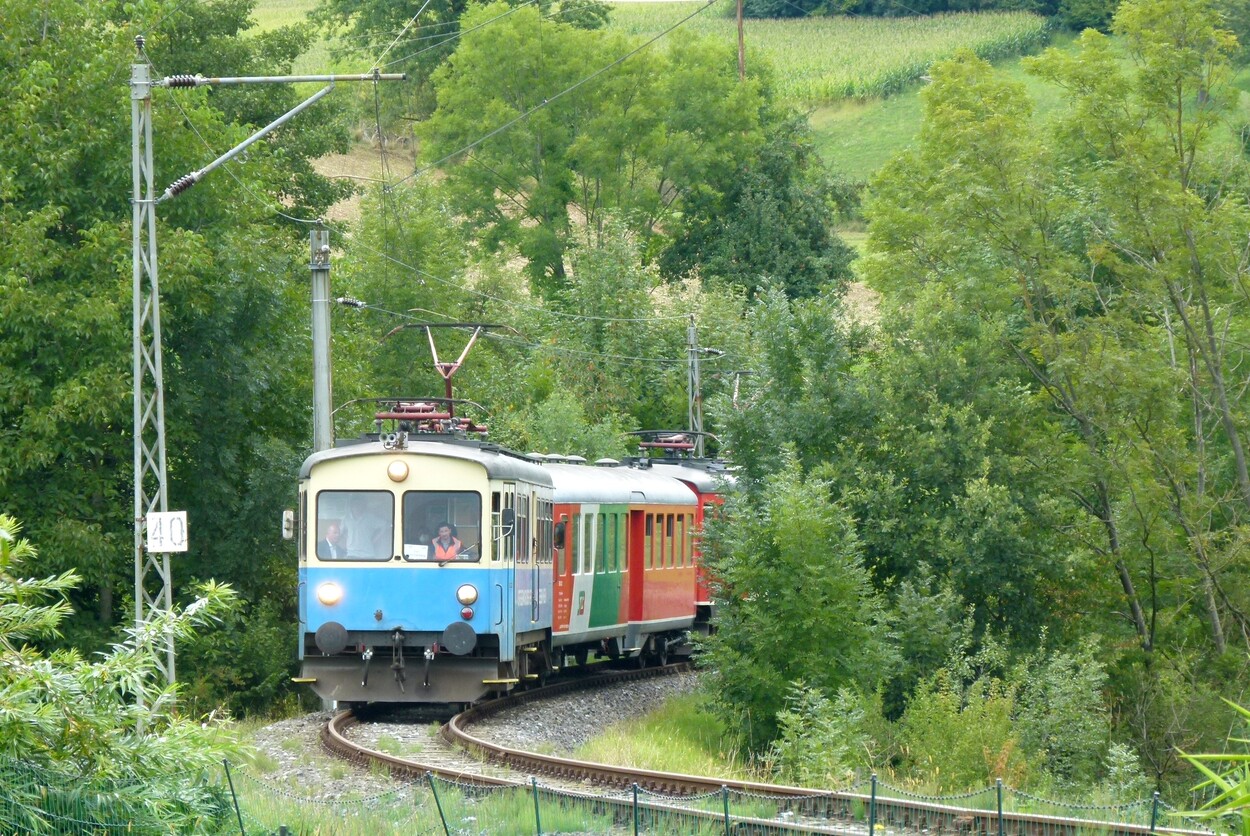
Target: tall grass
(679, 736)
(822, 60)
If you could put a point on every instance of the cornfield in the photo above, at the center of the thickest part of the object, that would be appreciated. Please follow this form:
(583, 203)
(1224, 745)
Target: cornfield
(821, 60)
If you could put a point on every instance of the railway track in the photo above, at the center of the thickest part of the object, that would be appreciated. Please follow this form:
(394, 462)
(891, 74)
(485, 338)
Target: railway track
(470, 760)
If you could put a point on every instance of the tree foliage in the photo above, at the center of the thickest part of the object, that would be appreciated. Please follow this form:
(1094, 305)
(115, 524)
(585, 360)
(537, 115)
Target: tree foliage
(789, 575)
(774, 222)
(232, 280)
(634, 142)
(1102, 260)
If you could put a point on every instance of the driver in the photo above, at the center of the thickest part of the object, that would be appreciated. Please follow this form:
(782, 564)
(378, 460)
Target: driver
(446, 545)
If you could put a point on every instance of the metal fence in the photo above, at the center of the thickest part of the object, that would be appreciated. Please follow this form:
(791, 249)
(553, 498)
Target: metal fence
(33, 800)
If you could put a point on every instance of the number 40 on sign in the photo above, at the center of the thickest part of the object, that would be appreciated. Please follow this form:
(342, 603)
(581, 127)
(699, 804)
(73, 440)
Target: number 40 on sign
(167, 531)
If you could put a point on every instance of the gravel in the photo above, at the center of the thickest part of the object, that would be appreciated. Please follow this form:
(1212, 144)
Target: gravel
(290, 753)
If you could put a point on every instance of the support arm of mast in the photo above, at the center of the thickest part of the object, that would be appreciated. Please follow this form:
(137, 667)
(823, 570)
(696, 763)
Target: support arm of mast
(188, 180)
(201, 81)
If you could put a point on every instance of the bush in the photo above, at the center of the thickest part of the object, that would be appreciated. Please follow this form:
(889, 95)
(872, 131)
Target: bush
(1061, 718)
(824, 741)
(954, 740)
(99, 742)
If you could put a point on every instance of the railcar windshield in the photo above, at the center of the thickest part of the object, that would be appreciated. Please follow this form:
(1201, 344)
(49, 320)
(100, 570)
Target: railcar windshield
(442, 526)
(355, 525)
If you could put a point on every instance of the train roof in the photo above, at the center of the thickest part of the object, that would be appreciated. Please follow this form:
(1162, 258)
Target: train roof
(617, 485)
(704, 475)
(498, 462)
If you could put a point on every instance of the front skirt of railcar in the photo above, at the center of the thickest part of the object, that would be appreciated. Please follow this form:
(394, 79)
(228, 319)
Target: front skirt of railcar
(397, 666)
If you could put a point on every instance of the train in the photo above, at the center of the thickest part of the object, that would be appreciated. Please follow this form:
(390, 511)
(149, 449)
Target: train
(438, 567)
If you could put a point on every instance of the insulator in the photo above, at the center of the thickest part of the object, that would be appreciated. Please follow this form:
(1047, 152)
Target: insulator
(182, 81)
(180, 185)
(349, 302)
(139, 42)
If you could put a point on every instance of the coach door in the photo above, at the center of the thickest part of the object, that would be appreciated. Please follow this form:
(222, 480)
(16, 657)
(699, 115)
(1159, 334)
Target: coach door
(503, 558)
(583, 567)
(526, 564)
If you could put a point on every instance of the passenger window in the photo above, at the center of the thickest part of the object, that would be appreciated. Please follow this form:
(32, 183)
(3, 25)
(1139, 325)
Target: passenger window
(668, 541)
(577, 544)
(681, 540)
(355, 525)
(303, 526)
(603, 544)
(614, 544)
(649, 545)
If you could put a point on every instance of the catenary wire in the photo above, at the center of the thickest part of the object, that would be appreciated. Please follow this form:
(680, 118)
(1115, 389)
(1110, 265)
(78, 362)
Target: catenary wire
(391, 259)
(554, 349)
(452, 36)
(445, 36)
(511, 302)
(401, 34)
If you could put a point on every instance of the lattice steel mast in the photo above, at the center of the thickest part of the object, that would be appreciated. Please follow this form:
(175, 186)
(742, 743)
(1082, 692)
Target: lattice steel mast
(153, 579)
(149, 386)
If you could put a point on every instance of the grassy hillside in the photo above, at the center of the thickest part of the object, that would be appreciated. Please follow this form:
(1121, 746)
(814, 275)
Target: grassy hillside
(817, 61)
(856, 138)
(270, 14)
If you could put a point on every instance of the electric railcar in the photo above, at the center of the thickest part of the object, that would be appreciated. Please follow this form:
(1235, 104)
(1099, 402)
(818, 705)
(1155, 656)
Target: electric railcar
(559, 560)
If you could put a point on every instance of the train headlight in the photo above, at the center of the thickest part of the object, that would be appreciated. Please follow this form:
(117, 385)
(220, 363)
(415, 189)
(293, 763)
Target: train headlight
(397, 471)
(467, 594)
(329, 593)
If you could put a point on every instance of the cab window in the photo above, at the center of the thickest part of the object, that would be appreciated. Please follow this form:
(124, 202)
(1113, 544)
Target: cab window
(427, 512)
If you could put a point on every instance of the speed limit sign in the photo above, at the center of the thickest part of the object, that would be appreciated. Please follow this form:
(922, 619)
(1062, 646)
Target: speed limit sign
(167, 531)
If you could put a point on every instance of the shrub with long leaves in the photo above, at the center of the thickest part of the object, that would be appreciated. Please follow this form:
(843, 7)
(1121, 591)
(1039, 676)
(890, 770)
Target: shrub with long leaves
(97, 742)
(1231, 785)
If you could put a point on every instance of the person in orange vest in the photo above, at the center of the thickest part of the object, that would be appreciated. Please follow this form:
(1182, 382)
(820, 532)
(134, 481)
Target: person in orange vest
(446, 545)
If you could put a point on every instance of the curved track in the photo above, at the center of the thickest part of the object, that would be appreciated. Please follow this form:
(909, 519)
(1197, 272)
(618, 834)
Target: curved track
(811, 811)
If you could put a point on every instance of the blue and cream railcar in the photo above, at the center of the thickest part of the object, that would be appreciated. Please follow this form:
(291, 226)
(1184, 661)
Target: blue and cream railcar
(382, 617)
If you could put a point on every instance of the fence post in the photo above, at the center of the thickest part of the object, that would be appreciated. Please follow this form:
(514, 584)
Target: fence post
(999, 786)
(1154, 811)
(635, 809)
(724, 795)
(872, 807)
(234, 797)
(538, 820)
(429, 777)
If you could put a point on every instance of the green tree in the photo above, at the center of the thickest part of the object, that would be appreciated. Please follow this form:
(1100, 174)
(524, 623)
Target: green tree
(233, 281)
(1062, 718)
(636, 140)
(1087, 14)
(958, 739)
(823, 742)
(788, 570)
(1098, 258)
(776, 220)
